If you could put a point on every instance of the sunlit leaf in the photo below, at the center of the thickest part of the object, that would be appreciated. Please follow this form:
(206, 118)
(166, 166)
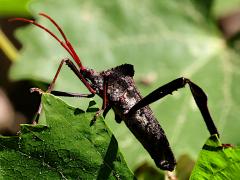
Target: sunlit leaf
(65, 148)
(216, 162)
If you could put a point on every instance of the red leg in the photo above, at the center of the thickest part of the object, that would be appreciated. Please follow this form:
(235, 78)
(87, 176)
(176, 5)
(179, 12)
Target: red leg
(51, 86)
(105, 101)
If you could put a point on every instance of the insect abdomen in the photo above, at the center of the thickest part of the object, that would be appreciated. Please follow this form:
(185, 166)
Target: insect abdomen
(148, 131)
(123, 95)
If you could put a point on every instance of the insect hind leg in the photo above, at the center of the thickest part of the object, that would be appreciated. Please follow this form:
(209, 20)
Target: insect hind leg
(198, 94)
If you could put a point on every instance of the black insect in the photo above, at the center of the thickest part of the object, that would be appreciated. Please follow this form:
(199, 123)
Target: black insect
(117, 89)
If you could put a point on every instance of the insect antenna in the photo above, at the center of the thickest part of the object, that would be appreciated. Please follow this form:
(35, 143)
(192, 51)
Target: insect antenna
(55, 24)
(66, 45)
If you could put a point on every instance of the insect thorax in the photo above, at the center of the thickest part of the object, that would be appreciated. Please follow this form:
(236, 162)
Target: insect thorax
(121, 90)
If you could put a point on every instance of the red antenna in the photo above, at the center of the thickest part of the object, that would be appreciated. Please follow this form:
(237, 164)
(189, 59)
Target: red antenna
(67, 45)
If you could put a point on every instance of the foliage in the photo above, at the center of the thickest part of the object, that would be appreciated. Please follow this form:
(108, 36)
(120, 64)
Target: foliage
(14, 7)
(164, 40)
(217, 162)
(66, 147)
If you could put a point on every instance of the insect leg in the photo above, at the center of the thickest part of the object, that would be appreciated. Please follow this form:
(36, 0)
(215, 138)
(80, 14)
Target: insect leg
(106, 110)
(105, 106)
(51, 86)
(70, 94)
(198, 94)
(57, 93)
(71, 65)
(63, 94)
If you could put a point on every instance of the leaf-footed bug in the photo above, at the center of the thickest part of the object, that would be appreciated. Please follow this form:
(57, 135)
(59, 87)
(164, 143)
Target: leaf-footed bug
(117, 89)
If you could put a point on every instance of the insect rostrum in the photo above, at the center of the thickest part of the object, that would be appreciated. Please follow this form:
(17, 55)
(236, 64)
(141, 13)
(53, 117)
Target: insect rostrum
(117, 89)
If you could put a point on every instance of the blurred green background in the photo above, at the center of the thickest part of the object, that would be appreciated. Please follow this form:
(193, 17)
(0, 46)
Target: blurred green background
(164, 40)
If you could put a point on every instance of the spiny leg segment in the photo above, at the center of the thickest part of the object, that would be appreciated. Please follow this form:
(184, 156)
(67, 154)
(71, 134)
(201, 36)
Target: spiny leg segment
(198, 94)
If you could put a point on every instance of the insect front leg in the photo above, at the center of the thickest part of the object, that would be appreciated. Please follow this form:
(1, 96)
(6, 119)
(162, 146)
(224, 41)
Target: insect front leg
(198, 94)
(71, 94)
(71, 65)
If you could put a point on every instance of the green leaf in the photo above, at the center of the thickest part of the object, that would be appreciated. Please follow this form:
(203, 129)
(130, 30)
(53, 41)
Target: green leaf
(14, 7)
(217, 162)
(163, 40)
(65, 148)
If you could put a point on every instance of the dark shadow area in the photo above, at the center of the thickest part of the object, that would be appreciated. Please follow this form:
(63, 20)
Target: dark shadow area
(78, 111)
(92, 107)
(110, 156)
(23, 104)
